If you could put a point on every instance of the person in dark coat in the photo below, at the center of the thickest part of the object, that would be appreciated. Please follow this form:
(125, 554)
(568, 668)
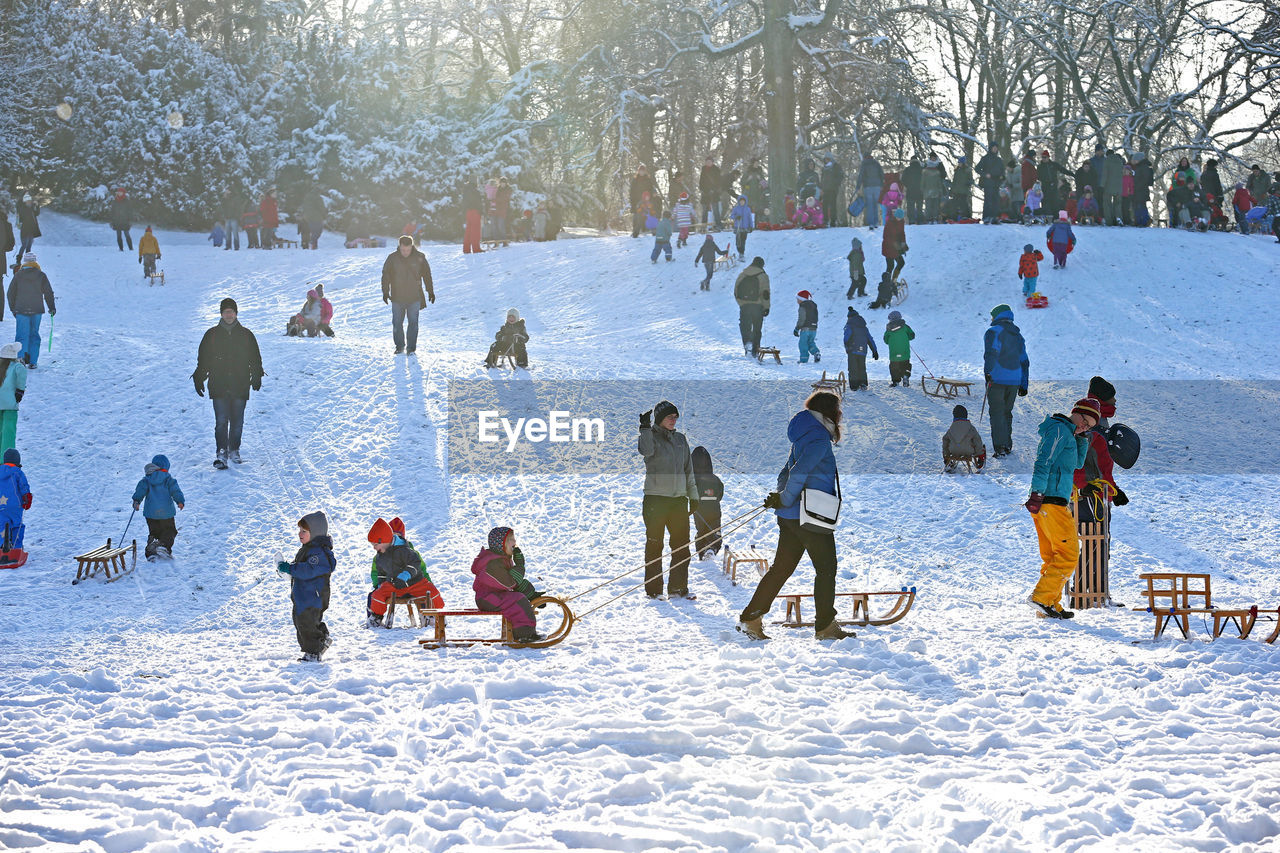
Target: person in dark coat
(511, 338)
(1086, 176)
(706, 518)
(710, 193)
(29, 294)
(857, 340)
(314, 210)
(1210, 180)
(670, 497)
(642, 186)
(962, 190)
(406, 284)
(309, 588)
(831, 181)
(913, 189)
(122, 218)
(6, 246)
(1006, 368)
(230, 361)
(28, 224)
(232, 206)
(1051, 175)
(870, 181)
(990, 176)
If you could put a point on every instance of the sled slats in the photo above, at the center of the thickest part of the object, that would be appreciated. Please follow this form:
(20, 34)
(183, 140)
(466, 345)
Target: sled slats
(758, 557)
(108, 560)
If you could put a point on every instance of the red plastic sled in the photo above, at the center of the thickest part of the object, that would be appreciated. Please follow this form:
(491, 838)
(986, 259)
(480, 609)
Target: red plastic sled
(1037, 302)
(13, 559)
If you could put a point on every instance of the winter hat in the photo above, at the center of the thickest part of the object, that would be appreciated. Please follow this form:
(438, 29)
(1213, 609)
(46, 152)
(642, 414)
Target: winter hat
(13, 349)
(1062, 215)
(27, 196)
(13, 457)
(684, 196)
(29, 260)
(1044, 153)
(757, 261)
(664, 410)
(315, 523)
(228, 303)
(1101, 389)
(319, 289)
(406, 240)
(1000, 309)
(895, 315)
(513, 315)
(148, 229)
(959, 412)
(498, 539)
(804, 294)
(857, 244)
(962, 160)
(397, 526)
(160, 461)
(311, 294)
(1028, 248)
(1088, 406)
(381, 533)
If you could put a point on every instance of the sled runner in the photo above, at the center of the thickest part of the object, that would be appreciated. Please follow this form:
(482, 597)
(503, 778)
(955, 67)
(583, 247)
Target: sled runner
(835, 383)
(861, 608)
(282, 243)
(899, 291)
(441, 638)
(111, 561)
(725, 262)
(944, 388)
(1037, 300)
(765, 351)
(1188, 593)
(758, 557)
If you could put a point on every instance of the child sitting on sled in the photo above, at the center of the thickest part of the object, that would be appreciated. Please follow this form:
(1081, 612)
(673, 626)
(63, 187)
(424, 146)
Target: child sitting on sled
(15, 498)
(511, 338)
(398, 570)
(500, 585)
(159, 497)
(962, 443)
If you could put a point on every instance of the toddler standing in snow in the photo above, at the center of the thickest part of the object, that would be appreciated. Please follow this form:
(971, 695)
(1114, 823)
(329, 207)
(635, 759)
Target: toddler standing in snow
(148, 252)
(309, 588)
(857, 271)
(857, 340)
(706, 518)
(962, 442)
(1028, 269)
(898, 335)
(807, 327)
(500, 585)
(157, 495)
(662, 238)
(683, 212)
(707, 257)
(217, 235)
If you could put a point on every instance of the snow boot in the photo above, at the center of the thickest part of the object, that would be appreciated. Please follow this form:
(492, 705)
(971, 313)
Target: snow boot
(833, 632)
(753, 628)
(526, 634)
(234, 456)
(1063, 613)
(1043, 610)
(221, 462)
(309, 657)
(150, 551)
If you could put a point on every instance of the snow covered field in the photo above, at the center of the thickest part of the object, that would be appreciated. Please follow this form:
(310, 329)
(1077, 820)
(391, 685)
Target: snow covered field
(166, 712)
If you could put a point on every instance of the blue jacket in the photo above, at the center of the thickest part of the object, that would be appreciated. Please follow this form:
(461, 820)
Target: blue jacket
(13, 487)
(1004, 356)
(1058, 455)
(811, 464)
(15, 379)
(857, 337)
(158, 491)
(310, 572)
(1061, 233)
(742, 218)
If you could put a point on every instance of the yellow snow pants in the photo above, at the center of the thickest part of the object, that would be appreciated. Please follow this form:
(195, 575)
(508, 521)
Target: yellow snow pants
(1059, 552)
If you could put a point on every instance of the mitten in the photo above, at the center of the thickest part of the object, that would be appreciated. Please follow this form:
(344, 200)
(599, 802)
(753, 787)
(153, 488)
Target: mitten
(401, 580)
(182, 506)
(257, 383)
(283, 568)
(26, 501)
(693, 505)
(1034, 501)
(875, 357)
(1022, 392)
(766, 312)
(137, 505)
(646, 420)
(385, 299)
(199, 386)
(987, 377)
(517, 557)
(53, 311)
(431, 297)
(773, 501)
(18, 394)
(1121, 498)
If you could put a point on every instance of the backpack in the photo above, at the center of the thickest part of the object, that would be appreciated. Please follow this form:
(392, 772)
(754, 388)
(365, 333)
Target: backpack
(749, 288)
(1124, 445)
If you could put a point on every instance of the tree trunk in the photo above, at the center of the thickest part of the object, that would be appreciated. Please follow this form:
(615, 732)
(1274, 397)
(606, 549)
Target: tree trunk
(780, 100)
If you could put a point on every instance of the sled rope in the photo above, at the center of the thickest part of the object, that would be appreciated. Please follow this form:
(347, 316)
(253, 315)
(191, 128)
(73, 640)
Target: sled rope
(727, 527)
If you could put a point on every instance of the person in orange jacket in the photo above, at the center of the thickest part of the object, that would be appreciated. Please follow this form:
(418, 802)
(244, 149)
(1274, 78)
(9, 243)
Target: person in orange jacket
(1029, 268)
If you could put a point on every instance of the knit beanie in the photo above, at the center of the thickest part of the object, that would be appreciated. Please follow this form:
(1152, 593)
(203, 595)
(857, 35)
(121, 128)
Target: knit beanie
(160, 461)
(1000, 309)
(1028, 248)
(13, 457)
(959, 412)
(228, 303)
(1062, 216)
(397, 527)
(29, 260)
(804, 294)
(498, 539)
(895, 315)
(513, 315)
(380, 533)
(1088, 406)
(1102, 390)
(664, 410)
(406, 240)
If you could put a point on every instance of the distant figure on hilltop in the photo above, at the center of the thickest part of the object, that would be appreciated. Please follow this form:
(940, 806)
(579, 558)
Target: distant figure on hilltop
(122, 218)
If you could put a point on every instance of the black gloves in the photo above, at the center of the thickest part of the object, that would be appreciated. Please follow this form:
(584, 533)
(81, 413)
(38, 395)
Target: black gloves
(1034, 501)
(431, 297)
(199, 386)
(875, 357)
(257, 383)
(1121, 498)
(773, 501)
(139, 260)
(386, 298)
(987, 376)
(795, 333)
(766, 312)
(18, 394)
(646, 420)
(1022, 392)
(53, 311)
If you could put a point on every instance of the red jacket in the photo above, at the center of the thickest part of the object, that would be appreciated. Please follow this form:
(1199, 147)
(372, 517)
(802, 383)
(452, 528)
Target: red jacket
(1242, 200)
(1029, 175)
(894, 240)
(1027, 266)
(270, 212)
(1105, 466)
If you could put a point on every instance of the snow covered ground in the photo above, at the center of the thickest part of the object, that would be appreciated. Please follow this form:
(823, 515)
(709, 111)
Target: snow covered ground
(166, 711)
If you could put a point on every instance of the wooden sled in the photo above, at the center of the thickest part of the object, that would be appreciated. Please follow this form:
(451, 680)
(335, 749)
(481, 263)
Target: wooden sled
(861, 608)
(110, 561)
(758, 557)
(835, 383)
(944, 388)
(283, 243)
(441, 639)
(764, 351)
(900, 291)
(158, 274)
(725, 262)
(1036, 300)
(493, 244)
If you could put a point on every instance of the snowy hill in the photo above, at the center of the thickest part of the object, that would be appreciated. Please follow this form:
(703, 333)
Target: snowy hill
(166, 711)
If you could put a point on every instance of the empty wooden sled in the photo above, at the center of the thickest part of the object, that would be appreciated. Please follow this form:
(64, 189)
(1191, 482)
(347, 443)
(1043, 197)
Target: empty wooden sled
(861, 615)
(835, 383)
(158, 275)
(442, 618)
(767, 351)
(108, 560)
(944, 388)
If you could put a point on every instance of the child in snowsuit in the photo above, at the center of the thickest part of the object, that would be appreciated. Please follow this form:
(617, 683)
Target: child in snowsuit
(857, 271)
(217, 235)
(397, 571)
(309, 587)
(148, 252)
(857, 339)
(500, 585)
(898, 335)
(307, 320)
(1087, 211)
(707, 257)
(15, 498)
(1061, 240)
(662, 238)
(1034, 199)
(326, 312)
(807, 327)
(744, 222)
(962, 442)
(1028, 269)
(884, 292)
(159, 497)
(511, 338)
(13, 385)
(706, 518)
(683, 213)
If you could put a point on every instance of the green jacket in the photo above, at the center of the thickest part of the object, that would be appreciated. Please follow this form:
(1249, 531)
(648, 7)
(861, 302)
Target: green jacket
(899, 340)
(663, 232)
(1058, 455)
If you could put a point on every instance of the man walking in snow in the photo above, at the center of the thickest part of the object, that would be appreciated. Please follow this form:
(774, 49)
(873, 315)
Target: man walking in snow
(229, 359)
(406, 284)
(1062, 449)
(870, 180)
(752, 294)
(1006, 367)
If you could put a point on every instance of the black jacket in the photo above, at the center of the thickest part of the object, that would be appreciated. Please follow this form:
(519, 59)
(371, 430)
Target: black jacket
(990, 171)
(472, 199)
(29, 292)
(121, 214)
(870, 174)
(6, 236)
(832, 177)
(912, 180)
(403, 279)
(28, 220)
(229, 361)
